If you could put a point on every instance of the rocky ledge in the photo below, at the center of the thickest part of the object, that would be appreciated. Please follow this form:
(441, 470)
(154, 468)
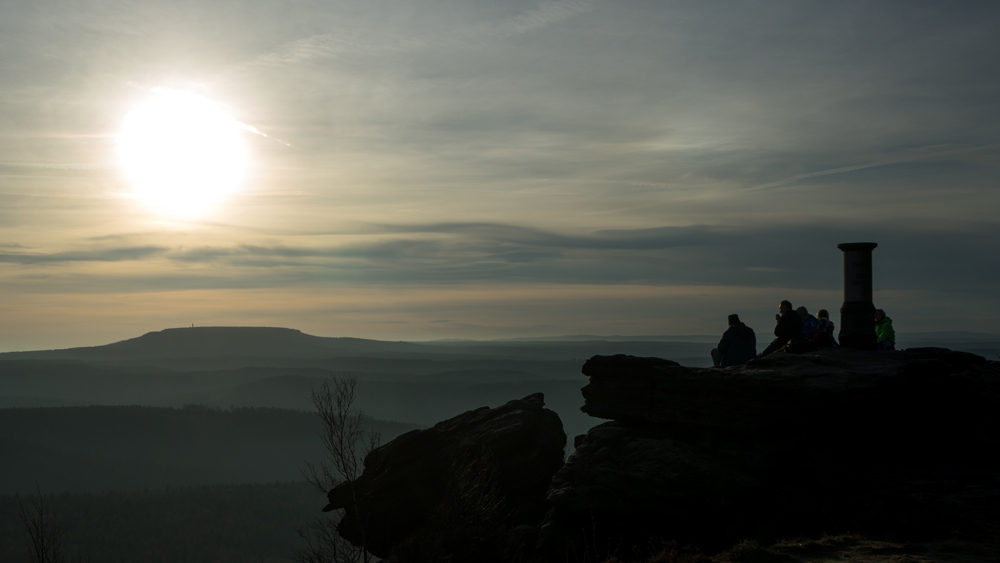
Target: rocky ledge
(892, 444)
(886, 443)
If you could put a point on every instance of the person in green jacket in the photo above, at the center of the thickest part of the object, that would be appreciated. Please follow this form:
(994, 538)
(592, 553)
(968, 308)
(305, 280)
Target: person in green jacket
(883, 331)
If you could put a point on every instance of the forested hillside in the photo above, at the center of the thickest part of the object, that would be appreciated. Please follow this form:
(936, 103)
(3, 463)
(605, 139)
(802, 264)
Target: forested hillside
(94, 449)
(216, 524)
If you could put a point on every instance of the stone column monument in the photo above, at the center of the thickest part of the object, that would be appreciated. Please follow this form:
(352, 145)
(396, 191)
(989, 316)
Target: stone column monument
(857, 316)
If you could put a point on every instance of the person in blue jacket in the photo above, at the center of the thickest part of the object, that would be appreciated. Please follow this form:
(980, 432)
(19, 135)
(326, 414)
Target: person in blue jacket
(810, 324)
(806, 341)
(738, 345)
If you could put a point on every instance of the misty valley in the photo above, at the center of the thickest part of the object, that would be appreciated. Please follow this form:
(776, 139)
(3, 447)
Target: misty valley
(177, 430)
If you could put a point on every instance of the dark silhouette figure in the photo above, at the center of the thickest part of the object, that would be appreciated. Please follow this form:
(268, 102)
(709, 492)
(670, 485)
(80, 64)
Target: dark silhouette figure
(738, 345)
(885, 335)
(810, 324)
(810, 330)
(824, 338)
(789, 328)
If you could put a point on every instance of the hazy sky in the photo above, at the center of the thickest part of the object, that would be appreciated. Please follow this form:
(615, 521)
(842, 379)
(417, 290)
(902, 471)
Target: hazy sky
(498, 168)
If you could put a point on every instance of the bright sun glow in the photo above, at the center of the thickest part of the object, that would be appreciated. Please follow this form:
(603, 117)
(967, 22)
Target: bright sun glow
(181, 152)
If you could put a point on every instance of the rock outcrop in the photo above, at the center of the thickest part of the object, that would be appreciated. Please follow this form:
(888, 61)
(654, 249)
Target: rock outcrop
(512, 451)
(890, 442)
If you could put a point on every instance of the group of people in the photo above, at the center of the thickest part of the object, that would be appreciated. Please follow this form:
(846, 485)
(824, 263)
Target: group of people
(796, 331)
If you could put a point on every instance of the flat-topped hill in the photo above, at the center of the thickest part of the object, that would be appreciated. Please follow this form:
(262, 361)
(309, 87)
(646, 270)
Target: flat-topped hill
(200, 342)
(268, 343)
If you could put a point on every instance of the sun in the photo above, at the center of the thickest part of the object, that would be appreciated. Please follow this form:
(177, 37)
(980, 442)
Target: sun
(181, 152)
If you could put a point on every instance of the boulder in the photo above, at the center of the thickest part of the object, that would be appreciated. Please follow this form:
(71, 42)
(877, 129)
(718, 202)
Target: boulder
(790, 444)
(513, 450)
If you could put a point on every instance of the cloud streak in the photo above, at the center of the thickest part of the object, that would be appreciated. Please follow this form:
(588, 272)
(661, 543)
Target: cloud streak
(55, 166)
(456, 253)
(105, 255)
(547, 13)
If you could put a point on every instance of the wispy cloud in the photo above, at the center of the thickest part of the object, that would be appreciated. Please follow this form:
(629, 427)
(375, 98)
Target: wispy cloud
(286, 255)
(547, 13)
(329, 45)
(455, 254)
(324, 46)
(620, 239)
(55, 166)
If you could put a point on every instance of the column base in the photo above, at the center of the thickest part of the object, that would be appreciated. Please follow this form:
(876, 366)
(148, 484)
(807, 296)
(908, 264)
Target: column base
(857, 326)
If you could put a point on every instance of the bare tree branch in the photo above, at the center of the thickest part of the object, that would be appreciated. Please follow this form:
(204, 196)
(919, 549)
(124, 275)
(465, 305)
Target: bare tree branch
(43, 533)
(347, 442)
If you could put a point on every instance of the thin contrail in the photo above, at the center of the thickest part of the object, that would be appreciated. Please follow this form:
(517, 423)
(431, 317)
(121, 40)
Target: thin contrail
(927, 153)
(240, 124)
(792, 179)
(256, 131)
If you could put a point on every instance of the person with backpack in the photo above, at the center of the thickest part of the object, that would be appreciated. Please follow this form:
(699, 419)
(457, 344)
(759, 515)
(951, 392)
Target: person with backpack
(810, 324)
(825, 338)
(806, 340)
(738, 345)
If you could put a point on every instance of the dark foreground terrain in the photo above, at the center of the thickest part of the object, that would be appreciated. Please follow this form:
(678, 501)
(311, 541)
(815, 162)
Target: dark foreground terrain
(827, 549)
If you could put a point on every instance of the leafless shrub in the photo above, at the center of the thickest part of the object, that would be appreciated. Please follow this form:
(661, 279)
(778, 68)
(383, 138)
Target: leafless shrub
(324, 544)
(347, 442)
(43, 533)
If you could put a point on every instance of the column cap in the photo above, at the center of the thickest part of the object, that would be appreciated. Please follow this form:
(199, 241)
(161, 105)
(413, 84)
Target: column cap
(847, 246)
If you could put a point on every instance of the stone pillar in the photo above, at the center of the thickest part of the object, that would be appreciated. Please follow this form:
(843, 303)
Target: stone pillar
(857, 316)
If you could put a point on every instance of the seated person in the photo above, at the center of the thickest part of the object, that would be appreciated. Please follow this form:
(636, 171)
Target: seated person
(886, 337)
(810, 329)
(738, 345)
(789, 328)
(810, 324)
(824, 338)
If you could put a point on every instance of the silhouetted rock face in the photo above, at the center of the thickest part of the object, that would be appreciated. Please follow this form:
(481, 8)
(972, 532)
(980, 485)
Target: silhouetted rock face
(405, 481)
(836, 439)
